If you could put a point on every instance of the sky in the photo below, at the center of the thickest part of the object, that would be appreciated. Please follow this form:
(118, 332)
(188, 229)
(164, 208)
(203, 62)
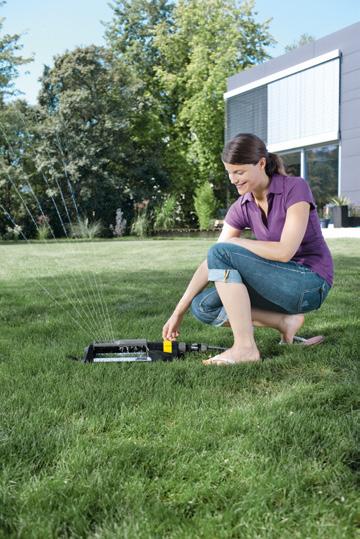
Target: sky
(50, 27)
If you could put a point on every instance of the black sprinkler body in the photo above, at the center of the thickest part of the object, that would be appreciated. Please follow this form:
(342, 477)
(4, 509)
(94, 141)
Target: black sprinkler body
(141, 350)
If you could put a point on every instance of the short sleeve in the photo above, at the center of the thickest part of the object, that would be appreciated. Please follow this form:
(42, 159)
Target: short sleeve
(299, 191)
(236, 216)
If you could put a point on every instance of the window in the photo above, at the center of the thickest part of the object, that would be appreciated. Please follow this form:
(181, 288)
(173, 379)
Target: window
(292, 162)
(321, 171)
(303, 108)
(247, 113)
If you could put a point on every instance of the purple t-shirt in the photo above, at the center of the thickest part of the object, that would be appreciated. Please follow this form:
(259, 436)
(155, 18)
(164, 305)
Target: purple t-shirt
(283, 192)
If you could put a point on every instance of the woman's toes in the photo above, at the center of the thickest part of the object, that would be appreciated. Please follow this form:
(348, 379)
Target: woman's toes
(206, 361)
(210, 360)
(219, 361)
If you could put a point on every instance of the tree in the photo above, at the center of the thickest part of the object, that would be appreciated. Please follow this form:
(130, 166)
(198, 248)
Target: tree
(88, 109)
(10, 141)
(9, 61)
(304, 39)
(131, 39)
(183, 53)
(205, 205)
(131, 33)
(198, 53)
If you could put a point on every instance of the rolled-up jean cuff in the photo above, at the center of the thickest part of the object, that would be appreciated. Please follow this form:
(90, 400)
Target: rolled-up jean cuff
(224, 275)
(220, 319)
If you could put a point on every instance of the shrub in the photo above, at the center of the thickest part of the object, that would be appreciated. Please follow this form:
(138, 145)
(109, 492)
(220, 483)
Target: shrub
(340, 201)
(43, 227)
(140, 226)
(84, 229)
(165, 215)
(12, 233)
(205, 205)
(120, 224)
(43, 232)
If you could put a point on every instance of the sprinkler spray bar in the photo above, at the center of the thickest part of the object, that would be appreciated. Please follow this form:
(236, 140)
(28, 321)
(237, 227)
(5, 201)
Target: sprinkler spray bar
(140, 350)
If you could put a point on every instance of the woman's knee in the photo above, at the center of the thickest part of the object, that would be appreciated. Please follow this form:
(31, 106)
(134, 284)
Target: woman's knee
(221, 266)
(206, 306)
(224, 252)
(197, 312)
(195, 306)
(219, 252)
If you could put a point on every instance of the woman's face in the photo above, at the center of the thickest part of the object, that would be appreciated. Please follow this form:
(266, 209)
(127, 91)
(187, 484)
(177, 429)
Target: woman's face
(248, 178)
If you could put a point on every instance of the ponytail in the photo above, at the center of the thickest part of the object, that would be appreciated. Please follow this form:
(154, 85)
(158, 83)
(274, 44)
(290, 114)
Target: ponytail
(246, 148)
(274, 164)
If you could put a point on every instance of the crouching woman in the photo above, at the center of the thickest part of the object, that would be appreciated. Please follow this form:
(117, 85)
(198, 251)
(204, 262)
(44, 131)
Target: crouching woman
(270, 281)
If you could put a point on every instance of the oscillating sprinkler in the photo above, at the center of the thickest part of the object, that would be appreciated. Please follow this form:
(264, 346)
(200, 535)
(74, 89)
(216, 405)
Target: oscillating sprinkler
(141, 350)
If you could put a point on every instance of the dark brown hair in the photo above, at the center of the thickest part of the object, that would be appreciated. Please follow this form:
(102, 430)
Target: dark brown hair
(248, 149)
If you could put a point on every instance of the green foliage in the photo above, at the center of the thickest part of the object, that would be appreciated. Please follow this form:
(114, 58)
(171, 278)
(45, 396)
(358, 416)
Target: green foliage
(139, 118)
(84, 229)
(322, 166)
(184, 54)
(97, 131)
(131, 33)
(205, 205)
(84, 132)
(202, 49)
(340, 201)
(304, 39)
(18, 174)
(141, 224)
(131, 39)
(43, 232)
(43, 229)
(165, 215)
(9, 61)
(15, 167)
(12, 233)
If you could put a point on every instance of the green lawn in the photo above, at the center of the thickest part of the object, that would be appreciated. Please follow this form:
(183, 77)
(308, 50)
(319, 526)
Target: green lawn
(169, 450)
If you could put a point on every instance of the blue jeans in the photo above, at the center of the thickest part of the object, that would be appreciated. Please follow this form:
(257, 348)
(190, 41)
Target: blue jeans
(285, 287)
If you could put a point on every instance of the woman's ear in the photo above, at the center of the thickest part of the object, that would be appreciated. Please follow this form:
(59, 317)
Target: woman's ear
(262, 162)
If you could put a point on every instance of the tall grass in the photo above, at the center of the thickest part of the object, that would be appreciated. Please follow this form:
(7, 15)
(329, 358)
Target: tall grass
(86, 229)
(178, 450)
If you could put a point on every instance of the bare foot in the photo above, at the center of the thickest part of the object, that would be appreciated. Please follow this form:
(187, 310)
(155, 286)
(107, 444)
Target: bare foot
(232, 355)
(290, 324)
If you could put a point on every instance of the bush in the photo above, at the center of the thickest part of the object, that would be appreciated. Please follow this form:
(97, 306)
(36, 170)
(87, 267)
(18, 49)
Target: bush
(12, 233)
(340, 201)
(120, 224)
(84, 229)
(43, 232)
(165, 215)
(205, 205)
(140, 226)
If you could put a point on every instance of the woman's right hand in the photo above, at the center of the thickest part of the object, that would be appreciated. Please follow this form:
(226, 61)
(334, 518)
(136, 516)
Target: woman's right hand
(171, 329)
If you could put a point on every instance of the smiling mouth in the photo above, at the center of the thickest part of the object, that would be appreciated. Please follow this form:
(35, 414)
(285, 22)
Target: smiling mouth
(240, 185)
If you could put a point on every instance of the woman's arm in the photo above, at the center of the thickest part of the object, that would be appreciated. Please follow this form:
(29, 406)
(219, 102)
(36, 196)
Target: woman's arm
(198, 282)
(200, 277)
(297, 217)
